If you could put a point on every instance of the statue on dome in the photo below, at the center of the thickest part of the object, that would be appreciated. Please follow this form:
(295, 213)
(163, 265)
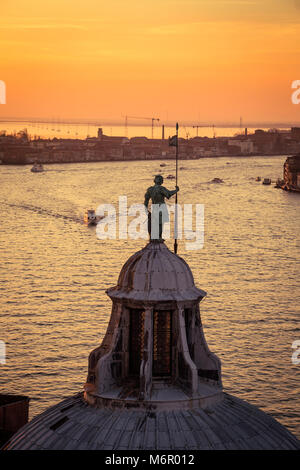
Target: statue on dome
(159, 214)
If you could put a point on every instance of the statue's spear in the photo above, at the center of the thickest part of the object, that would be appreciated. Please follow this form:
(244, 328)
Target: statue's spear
(176, 196)
(173, 141)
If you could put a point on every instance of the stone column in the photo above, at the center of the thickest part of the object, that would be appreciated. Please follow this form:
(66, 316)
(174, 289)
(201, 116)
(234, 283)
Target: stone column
(187, 370)
(108, 369)
(107, 342)
(146, 364)
(126, 334)
(207, 362)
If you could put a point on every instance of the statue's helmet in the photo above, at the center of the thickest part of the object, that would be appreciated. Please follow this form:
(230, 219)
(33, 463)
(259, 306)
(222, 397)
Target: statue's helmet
(158, 179)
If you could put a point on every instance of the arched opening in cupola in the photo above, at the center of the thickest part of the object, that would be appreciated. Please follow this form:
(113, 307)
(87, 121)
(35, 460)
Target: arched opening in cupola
(162, 343)
(136, 340)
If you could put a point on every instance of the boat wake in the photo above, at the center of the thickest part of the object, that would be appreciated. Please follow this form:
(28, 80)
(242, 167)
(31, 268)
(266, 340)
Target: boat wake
(42, 211)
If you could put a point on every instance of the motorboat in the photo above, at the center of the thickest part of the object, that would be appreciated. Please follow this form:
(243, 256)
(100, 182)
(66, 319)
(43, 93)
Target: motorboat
(267, 181)
(90, 217)
(37, 168)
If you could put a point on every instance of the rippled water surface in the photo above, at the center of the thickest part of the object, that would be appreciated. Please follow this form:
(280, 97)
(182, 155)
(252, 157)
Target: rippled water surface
(54, 272)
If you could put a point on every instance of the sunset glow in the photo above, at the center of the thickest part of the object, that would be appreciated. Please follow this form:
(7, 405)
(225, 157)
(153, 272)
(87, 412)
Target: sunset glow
(197, 60)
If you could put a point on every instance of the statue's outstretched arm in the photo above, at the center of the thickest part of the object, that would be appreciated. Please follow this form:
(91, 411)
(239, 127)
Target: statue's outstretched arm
(168, 193)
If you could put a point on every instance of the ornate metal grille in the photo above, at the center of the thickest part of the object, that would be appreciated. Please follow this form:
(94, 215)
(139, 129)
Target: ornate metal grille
(136, 340)
(162, 343)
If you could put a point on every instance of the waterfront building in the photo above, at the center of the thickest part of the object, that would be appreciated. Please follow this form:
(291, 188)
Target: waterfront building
(291, 173)
(295, 133)
(246, 146)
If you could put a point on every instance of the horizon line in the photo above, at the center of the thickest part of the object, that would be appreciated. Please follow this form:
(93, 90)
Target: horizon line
(168, 123)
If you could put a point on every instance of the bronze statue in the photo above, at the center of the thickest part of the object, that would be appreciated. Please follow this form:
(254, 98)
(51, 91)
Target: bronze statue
(160, 214)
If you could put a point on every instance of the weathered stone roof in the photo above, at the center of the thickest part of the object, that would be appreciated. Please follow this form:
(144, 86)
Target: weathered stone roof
(231, 424)
(156, 274)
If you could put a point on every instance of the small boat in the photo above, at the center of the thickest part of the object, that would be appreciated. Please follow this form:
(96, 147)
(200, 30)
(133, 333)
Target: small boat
(258, 178)
(217, 180)
(90, 217)
(162, 164)
(279, 183)
(267, 181)
(37, 168)
(170, 177)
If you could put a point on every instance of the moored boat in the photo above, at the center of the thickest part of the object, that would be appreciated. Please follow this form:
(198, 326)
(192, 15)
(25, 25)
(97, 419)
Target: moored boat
(279, 183)
(267, 181)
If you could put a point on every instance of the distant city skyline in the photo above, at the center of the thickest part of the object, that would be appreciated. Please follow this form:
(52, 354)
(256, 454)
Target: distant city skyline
(193, 60)
(119, 122)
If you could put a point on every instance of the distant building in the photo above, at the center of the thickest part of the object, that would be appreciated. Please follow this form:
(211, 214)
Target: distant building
(13, 415)
(245, 146)
(295, 133)
(291, 173)
(267, 143)
(100, 133)
(139, 140)
(20, 149)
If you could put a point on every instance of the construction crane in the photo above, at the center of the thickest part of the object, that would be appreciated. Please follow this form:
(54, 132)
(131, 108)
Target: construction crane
(214, 132)
(196, 127)
(135, 117)
(187, 134)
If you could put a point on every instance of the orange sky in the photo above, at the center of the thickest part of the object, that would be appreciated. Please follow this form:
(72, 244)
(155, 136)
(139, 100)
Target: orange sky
(196, 60)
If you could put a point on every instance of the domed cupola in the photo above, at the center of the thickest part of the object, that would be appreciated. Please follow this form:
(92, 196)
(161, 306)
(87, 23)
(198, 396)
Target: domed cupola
(155, 274)
(154, 341)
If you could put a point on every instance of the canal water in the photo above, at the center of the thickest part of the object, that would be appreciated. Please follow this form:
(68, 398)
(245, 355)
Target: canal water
(55, 270)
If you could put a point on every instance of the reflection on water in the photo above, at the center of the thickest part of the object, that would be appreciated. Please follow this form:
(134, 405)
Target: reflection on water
(54, 273)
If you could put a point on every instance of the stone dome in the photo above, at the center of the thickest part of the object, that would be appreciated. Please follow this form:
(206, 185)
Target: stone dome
(153, 383)
(156, 274)
(231, 424)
